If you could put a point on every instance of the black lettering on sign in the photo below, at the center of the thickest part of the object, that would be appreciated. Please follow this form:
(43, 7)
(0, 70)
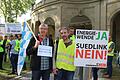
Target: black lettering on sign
(92, 33)
(91, 46)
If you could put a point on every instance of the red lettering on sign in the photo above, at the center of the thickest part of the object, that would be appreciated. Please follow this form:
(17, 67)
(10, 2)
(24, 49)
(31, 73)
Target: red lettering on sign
(91, 54)
(105, 55)
(78, 53)
(99, 54)
(102, 65)
(87, 54)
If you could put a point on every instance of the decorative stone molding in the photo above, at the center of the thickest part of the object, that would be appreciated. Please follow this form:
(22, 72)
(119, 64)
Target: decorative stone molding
(112, 9)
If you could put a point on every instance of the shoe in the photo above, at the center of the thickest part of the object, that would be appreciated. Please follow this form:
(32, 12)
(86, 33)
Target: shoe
(11, 73)
(24, 69)
(2, 69)
(107, 76)
(105, 73)
(16, 74)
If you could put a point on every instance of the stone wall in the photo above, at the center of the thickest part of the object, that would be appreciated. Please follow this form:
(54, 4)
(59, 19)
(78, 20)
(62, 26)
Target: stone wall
(99, 12)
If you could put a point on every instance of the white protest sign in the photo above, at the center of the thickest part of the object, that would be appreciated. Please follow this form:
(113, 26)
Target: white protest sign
(44, 51)
(91, 48)
(2, 29)
(13, 28)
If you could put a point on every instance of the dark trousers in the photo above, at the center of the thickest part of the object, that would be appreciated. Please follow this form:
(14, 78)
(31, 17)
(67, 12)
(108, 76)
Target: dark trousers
(95, 73)
(64, 75)
(14, 61)
(24, 66)
(109, 65)
(5, 57)
(45, 74)
(1, 59)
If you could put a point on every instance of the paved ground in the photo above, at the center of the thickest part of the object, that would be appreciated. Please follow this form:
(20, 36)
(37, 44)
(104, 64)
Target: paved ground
(116, 75)
(28, 77)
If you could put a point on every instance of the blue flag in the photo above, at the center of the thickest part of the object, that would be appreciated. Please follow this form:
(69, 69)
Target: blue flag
(26, 36)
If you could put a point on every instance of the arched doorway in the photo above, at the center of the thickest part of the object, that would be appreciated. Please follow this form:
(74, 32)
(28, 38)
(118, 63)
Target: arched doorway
(81, 22)
(37, 24)
(115, 30)
(51, 24)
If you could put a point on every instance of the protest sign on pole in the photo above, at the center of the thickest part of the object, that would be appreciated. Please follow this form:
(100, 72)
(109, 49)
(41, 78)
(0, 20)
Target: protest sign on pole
(2, 29)
(13, 28)
(91, 48)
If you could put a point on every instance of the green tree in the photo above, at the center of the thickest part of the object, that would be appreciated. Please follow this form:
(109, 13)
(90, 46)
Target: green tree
(3, 8)
(11, 9)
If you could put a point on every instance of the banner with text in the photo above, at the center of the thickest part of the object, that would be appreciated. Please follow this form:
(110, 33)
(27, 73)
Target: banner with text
(91, 48)
(2, 29)
(13, 28)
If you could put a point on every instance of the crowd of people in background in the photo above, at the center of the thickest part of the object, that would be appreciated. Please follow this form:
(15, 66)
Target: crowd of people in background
(62, 62)
(4, 50)
(9, 49)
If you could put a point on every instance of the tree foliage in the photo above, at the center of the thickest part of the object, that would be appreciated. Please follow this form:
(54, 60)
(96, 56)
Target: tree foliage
(11, 9)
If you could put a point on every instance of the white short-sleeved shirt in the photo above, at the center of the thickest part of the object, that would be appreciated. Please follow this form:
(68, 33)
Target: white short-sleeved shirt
(12, 50)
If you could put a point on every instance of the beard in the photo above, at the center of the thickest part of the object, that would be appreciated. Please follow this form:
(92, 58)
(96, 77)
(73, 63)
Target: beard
(64, 37)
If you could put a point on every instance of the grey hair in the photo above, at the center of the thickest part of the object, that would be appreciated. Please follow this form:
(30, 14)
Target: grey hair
(43, 25)
(66, 28)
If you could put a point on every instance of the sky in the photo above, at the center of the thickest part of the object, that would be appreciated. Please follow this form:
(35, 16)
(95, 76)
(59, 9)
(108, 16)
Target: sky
(26, 16)
(22, 18)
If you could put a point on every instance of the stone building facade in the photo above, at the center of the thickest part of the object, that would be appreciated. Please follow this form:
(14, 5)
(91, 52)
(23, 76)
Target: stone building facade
(83, 14)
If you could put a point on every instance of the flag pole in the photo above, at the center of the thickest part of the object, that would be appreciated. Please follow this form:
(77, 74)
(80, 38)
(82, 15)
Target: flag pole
(32, 31)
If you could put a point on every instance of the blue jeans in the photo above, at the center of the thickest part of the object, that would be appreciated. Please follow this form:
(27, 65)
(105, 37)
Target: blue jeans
(64, 75)
(109, 65)
(14, 61)
(95, 73)
(45, 74)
